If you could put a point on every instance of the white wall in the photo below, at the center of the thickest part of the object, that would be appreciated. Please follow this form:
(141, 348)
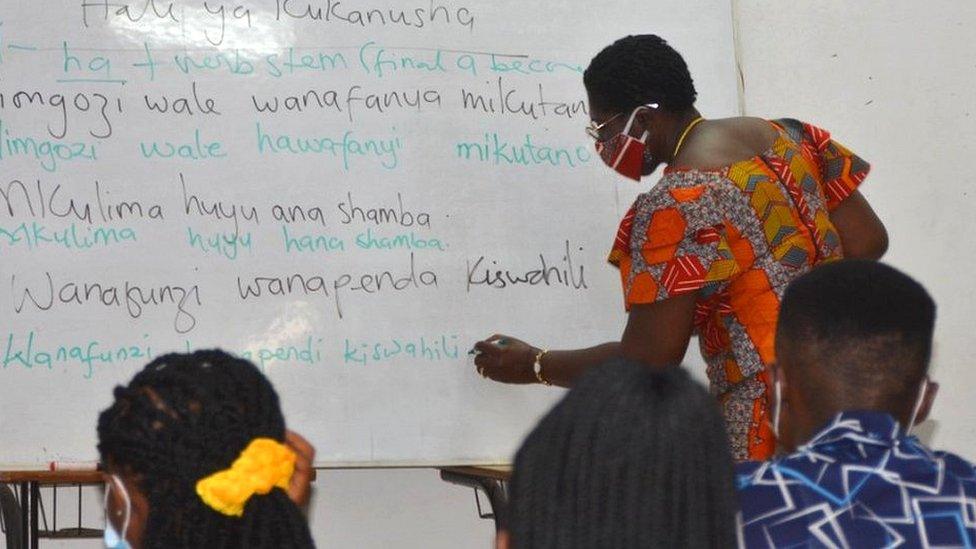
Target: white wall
(895, 81)
(398, 508)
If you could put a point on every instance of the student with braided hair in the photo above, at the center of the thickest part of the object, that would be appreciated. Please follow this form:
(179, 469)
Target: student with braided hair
(196, 454)
(744, 207)
(631, 457)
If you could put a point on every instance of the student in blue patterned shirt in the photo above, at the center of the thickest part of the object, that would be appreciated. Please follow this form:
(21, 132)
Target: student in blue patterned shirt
(853, 348)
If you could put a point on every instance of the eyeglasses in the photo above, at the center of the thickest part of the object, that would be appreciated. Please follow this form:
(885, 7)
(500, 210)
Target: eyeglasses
(593, 129)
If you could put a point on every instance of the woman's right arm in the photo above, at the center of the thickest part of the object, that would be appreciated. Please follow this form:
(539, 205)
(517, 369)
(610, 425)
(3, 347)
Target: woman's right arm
(657, 334)
(862, 234)
(510, 360)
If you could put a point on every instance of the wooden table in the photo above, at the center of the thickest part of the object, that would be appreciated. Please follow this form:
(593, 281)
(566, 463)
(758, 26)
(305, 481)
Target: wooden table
(491, 479)
(30, 483)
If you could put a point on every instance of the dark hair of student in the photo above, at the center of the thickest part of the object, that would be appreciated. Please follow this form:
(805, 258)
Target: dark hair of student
(858, 334)
(183, 418)
(637, 70)
(628, 458)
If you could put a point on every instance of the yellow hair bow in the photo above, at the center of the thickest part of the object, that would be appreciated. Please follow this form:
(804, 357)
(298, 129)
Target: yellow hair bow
(262, 466)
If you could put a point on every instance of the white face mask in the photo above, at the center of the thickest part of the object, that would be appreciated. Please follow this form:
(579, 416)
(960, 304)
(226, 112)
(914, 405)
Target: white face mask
(112, 538)
(918, 405)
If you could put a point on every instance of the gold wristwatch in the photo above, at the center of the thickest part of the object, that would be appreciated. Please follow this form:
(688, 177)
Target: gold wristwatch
(537, 367)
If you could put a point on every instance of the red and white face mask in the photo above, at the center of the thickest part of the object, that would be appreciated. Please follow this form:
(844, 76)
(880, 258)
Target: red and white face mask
(624, 153)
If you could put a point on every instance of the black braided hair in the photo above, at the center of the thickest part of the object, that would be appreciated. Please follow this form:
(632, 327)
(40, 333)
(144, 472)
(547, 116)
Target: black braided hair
(637, 70)
(183, 418)
(628, 458)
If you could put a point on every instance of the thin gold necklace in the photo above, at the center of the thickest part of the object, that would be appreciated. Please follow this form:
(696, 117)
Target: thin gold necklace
(684, 134)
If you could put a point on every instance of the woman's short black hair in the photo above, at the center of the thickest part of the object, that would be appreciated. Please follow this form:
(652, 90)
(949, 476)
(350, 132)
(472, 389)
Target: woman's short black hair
(183, 418)
(629, 458)
(637, 70)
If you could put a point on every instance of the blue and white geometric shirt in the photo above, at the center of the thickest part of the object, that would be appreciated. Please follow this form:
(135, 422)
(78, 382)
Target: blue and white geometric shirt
(858, 483)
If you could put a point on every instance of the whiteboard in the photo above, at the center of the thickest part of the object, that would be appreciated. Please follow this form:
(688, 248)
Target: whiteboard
(893, 82)
(155, 200)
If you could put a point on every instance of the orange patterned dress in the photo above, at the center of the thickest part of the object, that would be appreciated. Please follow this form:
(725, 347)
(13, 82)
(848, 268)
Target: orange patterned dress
(738, 236)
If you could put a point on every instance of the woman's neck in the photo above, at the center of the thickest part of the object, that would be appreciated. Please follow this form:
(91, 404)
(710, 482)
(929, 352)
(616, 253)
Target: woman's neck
(679, 124)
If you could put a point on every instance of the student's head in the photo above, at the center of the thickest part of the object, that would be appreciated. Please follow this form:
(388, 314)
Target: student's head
(852, 335)
(181, 420)
(629, 458)
(626, 77)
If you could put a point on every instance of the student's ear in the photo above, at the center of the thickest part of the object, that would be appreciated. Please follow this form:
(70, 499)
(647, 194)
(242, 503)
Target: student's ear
(502, 540)
(931, 391)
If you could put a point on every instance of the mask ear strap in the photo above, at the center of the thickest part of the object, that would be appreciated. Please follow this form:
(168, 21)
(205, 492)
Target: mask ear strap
(778, 402)
(633, 117)
(128, 503)
(918, 405)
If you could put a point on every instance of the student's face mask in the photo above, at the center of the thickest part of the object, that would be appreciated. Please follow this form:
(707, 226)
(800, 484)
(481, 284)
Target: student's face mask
(624, 153)
(113, 539)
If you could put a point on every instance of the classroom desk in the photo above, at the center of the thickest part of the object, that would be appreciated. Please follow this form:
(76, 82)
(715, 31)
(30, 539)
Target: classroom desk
(492, 479)
(30, 483)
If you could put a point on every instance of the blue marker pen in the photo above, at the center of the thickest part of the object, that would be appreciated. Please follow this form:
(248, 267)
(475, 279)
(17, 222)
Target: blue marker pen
(500, 342)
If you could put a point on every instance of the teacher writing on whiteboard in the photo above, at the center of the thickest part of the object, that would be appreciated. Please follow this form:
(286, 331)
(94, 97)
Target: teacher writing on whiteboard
(744, 207)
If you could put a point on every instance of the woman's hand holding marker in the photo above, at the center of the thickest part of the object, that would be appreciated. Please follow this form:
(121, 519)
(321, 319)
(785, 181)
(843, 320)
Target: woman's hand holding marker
(505, 359)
